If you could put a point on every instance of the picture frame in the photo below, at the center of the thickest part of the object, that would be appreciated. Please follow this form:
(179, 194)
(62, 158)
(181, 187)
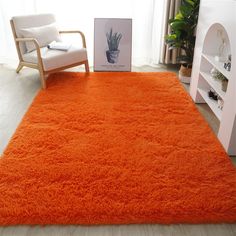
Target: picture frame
(112, 44)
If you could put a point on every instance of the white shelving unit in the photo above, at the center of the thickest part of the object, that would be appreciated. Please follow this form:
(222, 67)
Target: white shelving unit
(210, 31)
(206, 82)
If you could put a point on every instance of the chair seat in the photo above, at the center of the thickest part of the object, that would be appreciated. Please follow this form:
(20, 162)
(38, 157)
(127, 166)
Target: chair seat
(53, 59)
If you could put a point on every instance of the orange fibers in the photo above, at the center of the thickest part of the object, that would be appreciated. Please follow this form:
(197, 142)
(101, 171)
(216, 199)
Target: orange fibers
(115, 148)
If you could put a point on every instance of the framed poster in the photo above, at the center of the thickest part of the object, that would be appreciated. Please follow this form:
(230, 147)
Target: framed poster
(112, 44)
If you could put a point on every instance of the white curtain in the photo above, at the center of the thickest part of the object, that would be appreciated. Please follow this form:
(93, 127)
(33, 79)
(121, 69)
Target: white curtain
(147, 18)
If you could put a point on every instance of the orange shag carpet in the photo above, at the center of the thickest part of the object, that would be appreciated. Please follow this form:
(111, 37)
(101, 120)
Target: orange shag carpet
(115, 148)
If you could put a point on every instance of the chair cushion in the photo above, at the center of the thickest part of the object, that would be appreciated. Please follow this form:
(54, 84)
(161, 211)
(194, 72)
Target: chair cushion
(29, 21)
(43, 34)
(53, 59)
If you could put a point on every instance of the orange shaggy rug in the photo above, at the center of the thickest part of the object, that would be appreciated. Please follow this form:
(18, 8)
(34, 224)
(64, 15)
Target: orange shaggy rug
(115, 148)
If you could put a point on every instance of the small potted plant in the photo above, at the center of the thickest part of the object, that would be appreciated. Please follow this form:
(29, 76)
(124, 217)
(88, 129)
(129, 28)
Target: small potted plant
(113, 40)
(182, 36)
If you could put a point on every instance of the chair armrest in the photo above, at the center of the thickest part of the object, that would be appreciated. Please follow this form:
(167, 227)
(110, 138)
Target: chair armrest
(74, 32)
(18, 40)
(27, 40)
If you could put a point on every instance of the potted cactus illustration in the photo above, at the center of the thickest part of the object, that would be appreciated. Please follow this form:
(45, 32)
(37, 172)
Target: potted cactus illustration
(113, 40)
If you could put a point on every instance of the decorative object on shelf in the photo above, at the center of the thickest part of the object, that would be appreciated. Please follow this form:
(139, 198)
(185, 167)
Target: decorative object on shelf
(214, 72)
(183, 34)
(220, 102)
(222, 47)
(219, 76)
(224, 85)
(212, 94)
(227, 65)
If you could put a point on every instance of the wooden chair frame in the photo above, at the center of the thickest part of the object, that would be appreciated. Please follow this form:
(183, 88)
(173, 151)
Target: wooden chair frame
(39, 65)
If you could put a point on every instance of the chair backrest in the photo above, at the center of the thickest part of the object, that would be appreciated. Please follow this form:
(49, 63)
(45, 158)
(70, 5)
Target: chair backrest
(28, 21)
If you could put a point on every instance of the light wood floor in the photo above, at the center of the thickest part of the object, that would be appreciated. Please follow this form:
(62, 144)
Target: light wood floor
(16, 95)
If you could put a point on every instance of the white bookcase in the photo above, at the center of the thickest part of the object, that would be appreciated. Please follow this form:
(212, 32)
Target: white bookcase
(216, 16)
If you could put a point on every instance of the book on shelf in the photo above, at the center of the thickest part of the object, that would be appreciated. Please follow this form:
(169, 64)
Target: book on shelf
(59, 46)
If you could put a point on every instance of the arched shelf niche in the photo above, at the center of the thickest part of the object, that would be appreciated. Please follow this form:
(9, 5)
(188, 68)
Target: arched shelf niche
(217, 43)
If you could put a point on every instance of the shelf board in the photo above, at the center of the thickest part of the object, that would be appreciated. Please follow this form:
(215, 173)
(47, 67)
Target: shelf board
(216, 85)
(211, 103)
(218, 65)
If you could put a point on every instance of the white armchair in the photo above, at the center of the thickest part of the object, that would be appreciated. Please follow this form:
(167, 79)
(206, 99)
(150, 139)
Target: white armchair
(32, 34)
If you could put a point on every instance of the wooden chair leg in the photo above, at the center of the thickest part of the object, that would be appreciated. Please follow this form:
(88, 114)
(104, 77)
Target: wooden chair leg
(19, 68)
(86, 66)
(42, 78)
